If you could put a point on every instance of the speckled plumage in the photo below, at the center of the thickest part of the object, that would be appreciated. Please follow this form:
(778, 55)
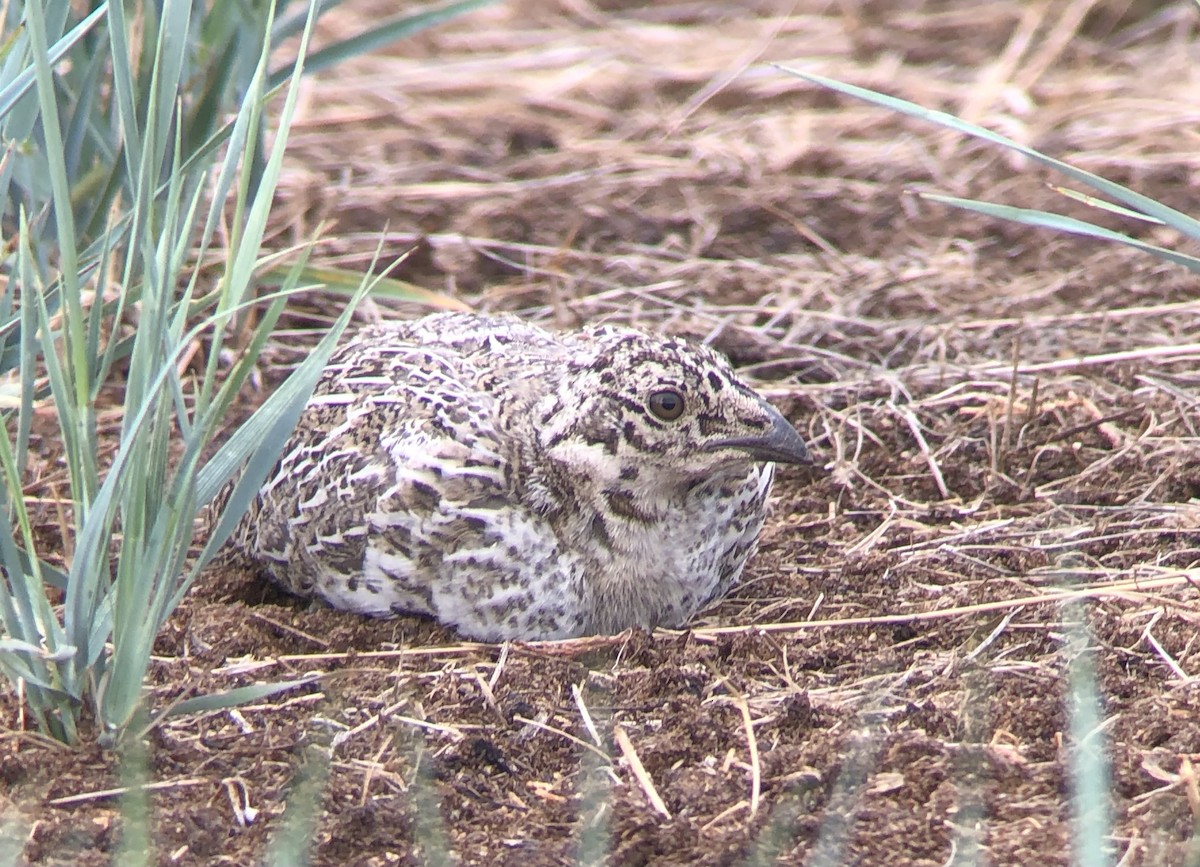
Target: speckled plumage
(517, 483)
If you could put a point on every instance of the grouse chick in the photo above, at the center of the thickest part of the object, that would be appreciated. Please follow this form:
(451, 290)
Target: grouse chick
(517, 483)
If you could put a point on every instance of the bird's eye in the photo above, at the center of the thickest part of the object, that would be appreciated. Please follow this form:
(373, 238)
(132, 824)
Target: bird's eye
(666, 404)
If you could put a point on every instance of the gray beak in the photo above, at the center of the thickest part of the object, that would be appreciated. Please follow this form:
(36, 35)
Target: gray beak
(781, 443)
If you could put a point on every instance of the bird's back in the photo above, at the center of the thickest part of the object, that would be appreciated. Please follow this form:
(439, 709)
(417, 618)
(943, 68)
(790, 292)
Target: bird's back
(401, 489)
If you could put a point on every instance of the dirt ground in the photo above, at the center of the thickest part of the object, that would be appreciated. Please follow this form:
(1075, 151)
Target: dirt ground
(1006, 419)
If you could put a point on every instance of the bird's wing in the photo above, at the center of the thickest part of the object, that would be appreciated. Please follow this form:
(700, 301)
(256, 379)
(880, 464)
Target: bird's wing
(384, 416)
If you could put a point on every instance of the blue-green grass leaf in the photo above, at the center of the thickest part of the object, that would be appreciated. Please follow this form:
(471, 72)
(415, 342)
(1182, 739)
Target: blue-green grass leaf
(1061, 223)
(1144, 204)
(237, 696)
(12, 92)
(1093, 202)
(289, 25)
(386, 33)
(347, 282)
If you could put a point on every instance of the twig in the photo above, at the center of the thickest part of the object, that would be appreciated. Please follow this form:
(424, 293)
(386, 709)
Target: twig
(1187, 775)
(721, 816)
(102, 794)
(915, 427)
(552, 730)
(755, 767)
(498, 669)
(1180, 351)
(1006, 440)
(1170, 662)
(992, 636)
(433, 727)
(1115, 589)
(588, 724)
(290, 630)
(239, 801)
(639, 770)
(1103, 423)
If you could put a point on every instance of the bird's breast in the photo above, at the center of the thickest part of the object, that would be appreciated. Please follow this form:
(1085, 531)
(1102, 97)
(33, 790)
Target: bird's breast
(656, 564)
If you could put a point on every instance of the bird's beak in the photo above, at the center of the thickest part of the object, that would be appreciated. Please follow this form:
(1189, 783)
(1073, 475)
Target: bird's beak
(781, 443)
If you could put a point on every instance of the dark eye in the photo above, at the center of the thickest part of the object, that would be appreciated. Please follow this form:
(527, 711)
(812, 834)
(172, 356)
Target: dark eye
(666, 404)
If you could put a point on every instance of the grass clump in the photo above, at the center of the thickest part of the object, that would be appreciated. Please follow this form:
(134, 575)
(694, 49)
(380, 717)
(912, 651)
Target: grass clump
(135, 147)
(111, 189)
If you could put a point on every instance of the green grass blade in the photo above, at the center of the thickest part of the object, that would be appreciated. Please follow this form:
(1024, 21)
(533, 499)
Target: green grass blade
(1088, 772)
(261, 439)
(1061, 223)
(1141, 203)
(293, 839)
(347, 283)
(26, 616)
(83, 111)
(14, 832)
(98, 124)
(28, 382)
(259, 442)
(12, 92)
(386, 33)
(1093, 202)
(55, 159)
(242, 268)
(207, 114)
(245, 125)
(236, 697)
(136, 847)
(52, 576)
(124, 84)
(173, 36)
(1091, 781)
(290, 25)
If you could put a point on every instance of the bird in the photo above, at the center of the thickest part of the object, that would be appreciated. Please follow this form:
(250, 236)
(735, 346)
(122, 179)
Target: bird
(514, 482)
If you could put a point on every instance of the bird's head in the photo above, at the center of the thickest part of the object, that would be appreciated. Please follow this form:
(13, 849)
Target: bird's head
(660, 410)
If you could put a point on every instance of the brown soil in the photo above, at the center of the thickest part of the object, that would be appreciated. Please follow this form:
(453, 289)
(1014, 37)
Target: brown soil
(1007, 419)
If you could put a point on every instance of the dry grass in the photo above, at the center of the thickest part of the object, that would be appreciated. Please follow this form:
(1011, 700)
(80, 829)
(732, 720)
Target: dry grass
(1007, 419)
